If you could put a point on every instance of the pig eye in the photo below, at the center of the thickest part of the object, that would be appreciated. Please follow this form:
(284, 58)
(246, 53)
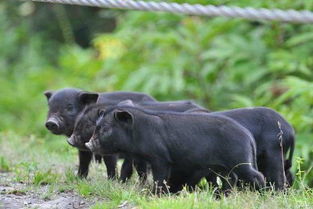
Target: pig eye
(69, 107)
(100, 113)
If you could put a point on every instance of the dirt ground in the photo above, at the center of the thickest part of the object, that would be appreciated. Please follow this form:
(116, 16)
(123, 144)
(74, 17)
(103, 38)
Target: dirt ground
(16, 196)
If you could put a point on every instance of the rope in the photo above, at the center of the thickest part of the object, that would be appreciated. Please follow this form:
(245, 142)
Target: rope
(197, 9)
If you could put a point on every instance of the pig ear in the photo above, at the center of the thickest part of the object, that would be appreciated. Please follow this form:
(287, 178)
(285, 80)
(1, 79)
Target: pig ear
(127, 102)
(123, 116)
(88, 97)
(48, 94)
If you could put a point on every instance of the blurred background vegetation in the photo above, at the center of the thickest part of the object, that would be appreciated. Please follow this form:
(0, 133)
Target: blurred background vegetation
(219, 63)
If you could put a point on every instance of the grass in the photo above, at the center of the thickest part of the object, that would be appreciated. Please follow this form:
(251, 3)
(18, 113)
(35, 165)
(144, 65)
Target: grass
(4, 165)
(43, 178)
(51, 164)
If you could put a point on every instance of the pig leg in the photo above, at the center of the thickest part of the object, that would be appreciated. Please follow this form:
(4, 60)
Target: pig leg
(110, 162)
(127, 169)
(161, 173)
(211, 178)
(248, 175)
(274, 169)
(289, 178)
(229, 180)
(176, 182)
(141, 167)
(193, 180)
(98, 158)
(84, 161)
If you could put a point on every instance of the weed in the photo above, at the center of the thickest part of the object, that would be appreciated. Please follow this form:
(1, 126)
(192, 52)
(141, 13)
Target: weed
(4, 165)
(45, 177)
(84, 188)
(24, 170)
(70, 177)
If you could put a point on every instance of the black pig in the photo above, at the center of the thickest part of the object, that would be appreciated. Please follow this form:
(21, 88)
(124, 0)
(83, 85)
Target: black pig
(187, 143)
(84, 128)
(86, 122)
(263, 124)
(64, 107)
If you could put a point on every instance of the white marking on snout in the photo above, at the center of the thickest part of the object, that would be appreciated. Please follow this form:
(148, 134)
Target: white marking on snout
(89, 145)
(127, 102)
(53, 119)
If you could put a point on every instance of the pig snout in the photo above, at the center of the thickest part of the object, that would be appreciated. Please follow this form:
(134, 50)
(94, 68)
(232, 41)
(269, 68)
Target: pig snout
(74, 141)
(52, 124)
(90, 145)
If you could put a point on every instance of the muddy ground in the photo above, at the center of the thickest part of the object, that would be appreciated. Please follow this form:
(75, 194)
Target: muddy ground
(15, 195)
